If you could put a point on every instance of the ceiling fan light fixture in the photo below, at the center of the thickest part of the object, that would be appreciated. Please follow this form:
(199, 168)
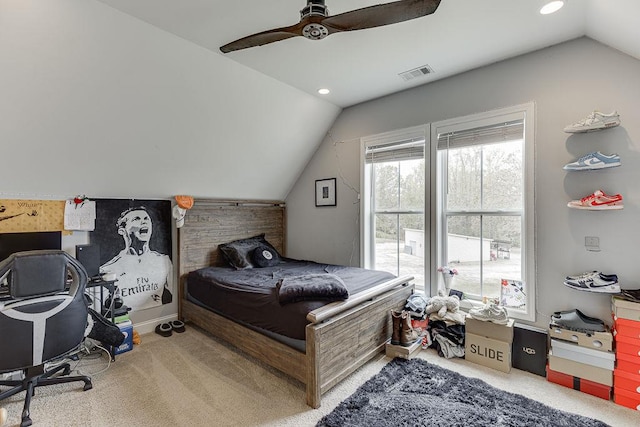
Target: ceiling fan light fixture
(551, 7)
(324, 91)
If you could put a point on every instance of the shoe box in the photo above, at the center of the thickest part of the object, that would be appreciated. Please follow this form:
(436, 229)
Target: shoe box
(392, 350)
(623, 309)
(529, 349)
(599, 359)
(581, 370)
(628, 362)
(489, 329)
(489, 344)
(127, 329)
(626, 328)
(602, 341)
(586, 357)
(626, 398)
(626, 391)
(593, 388)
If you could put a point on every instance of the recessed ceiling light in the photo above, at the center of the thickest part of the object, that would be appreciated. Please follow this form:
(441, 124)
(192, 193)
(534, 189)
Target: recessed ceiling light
(552, 6)
(324, 91)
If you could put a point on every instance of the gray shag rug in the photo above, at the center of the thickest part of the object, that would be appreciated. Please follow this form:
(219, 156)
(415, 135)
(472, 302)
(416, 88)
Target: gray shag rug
(416, 393)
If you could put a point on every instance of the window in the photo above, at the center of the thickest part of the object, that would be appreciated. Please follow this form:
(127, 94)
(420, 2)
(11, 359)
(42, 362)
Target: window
(393, 203)
(484, 203)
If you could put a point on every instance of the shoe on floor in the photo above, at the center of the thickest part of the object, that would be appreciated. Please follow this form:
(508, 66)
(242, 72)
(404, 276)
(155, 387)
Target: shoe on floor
(177, 326)
(490, 313)
(164, 329)
(593, 161)
(575, 320)
(3, 416)
(598, 201)
(594, 121)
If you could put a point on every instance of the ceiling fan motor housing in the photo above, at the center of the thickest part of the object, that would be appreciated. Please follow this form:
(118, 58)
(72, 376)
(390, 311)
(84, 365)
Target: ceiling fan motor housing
(315, 31)
(314, 8)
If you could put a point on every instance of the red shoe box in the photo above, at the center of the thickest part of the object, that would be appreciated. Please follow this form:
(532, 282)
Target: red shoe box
(628, 363)
(627, 345)
(626, 398)
(627, 381)
(627, 328)
(595, 389)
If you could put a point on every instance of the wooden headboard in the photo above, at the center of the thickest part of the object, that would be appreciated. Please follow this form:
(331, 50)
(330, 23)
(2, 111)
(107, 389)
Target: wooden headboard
(211, 222)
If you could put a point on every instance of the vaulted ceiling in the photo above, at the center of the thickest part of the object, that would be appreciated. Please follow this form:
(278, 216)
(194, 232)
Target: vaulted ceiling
(361, 65)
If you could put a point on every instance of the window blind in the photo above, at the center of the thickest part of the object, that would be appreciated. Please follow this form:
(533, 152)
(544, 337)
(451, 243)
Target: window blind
(503, 132)
(395, 151)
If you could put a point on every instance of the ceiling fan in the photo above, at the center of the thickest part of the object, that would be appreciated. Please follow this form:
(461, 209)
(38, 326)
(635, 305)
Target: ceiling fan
(316, 24)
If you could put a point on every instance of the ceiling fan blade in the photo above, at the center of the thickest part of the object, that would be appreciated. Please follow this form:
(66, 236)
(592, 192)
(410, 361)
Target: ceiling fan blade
(382, 14)
(262, 38)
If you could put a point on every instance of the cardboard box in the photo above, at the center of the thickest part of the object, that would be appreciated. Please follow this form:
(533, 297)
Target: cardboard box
(127, 329)
(626, 327)
(599, 390)
(602, 341)
(581, 370)
(401, 351)
(488, 352)
(530, 349)
(628, 362)
(588, 356)
(627, 345)
(626, 398)
(623, 309)
(627, 381)
(491, 330)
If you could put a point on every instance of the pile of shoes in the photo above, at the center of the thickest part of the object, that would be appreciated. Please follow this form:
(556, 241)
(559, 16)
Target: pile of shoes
(575, 320)
(594, 281)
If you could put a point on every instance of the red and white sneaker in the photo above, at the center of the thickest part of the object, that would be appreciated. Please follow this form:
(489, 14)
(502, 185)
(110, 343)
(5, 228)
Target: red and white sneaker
(598, 201)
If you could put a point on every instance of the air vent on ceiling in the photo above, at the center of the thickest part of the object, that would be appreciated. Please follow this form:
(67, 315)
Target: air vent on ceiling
(416, 72)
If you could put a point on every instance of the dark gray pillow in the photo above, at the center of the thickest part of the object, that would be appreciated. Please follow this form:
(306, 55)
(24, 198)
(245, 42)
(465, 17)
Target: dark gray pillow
(239, 252)
(265, 256)
(311, 287)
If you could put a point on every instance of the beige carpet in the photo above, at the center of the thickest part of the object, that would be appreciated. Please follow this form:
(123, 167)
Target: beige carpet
(191, 379)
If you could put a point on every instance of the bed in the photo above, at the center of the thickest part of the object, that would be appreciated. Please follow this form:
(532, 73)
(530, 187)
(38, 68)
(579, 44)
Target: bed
(337, 338)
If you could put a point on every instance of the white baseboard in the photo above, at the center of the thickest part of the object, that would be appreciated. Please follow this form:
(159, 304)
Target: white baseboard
(150, 325)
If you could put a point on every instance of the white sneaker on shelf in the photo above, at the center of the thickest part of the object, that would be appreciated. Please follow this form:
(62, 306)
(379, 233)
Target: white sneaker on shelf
(594, 121)
(594, 284)
(490, 313)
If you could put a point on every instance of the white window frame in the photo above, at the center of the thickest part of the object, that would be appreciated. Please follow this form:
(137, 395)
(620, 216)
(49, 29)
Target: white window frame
(367, 240)
(527, 112)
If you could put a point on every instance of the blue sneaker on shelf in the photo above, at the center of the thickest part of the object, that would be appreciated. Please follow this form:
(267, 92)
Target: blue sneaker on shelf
(593, 161)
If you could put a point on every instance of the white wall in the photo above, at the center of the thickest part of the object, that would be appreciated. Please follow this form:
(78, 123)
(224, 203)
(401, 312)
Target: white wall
(96, 102)
(566, 82)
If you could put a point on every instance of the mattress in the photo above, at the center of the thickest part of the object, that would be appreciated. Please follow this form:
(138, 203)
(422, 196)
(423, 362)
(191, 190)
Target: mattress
(250, 296)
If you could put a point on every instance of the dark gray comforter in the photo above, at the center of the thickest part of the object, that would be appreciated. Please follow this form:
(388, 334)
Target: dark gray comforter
(250, 296)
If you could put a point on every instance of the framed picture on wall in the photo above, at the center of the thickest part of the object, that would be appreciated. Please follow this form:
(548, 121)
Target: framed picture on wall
(326, 192)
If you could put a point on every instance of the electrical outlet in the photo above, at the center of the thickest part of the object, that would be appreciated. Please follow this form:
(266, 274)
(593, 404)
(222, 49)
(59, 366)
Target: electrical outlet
(592, 243)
